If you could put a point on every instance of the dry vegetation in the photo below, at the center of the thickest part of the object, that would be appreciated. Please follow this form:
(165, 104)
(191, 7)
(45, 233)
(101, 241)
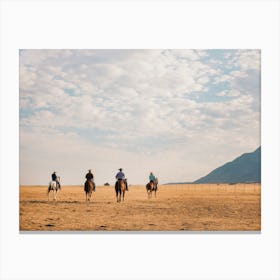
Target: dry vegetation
(176, 208)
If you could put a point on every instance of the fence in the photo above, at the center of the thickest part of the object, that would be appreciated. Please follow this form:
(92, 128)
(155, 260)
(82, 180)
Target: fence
(218, 188)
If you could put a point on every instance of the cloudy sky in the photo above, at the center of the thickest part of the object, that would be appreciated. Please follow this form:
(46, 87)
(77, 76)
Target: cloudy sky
(178, 113)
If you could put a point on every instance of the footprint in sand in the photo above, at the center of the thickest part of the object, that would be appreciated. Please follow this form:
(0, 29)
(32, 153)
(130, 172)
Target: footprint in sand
(49, 225)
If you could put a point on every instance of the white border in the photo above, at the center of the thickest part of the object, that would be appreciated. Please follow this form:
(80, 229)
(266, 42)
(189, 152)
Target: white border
(157, 24)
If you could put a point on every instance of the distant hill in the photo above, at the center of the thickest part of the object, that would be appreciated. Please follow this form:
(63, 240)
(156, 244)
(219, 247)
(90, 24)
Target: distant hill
(246, 168)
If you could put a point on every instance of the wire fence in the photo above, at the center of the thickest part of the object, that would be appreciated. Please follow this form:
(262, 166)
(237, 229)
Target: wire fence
(254, 188)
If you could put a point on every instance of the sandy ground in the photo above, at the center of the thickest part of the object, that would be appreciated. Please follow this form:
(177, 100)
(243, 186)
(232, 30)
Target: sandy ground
(176, 208)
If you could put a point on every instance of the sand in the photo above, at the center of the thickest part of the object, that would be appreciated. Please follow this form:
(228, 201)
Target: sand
(213, 207)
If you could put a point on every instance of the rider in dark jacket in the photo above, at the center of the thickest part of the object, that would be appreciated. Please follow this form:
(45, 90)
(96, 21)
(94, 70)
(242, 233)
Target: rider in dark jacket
(89, 176)
(55, 178)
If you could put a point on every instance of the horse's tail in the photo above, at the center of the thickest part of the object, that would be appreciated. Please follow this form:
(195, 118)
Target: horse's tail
(122, 185)
(87, 186)
(91, 184)
(119, 186)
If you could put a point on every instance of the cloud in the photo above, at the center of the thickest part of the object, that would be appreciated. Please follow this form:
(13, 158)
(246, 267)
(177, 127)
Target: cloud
(230, 93)
(143, 104)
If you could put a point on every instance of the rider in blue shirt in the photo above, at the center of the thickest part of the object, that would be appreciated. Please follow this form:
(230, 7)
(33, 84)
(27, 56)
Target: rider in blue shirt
(120, 176)
(152, 177)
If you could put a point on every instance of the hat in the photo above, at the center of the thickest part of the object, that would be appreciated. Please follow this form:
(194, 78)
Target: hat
(54, 172)
(120, 169)
(89, 170)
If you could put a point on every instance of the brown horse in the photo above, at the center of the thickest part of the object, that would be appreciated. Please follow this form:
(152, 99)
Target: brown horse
(120, 190)
(88, 189)
(152, 186)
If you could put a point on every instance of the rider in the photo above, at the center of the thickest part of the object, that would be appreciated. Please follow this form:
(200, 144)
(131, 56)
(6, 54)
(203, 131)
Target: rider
(120, 176)
(89, 177)
(55, 178)
(152, 178)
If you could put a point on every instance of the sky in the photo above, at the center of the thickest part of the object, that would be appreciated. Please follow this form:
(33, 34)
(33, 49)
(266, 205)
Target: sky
(177, 113)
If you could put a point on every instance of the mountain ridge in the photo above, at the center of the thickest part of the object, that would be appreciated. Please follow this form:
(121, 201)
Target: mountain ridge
(243, 169)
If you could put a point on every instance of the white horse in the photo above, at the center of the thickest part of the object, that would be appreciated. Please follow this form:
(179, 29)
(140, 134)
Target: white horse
(53, 186)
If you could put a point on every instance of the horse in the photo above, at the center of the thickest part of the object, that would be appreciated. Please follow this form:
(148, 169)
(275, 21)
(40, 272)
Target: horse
(53, 186)
(120, 190)
(152, 186)
(89, 186)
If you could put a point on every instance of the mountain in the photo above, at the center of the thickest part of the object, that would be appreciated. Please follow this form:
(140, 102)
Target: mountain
(246, 168)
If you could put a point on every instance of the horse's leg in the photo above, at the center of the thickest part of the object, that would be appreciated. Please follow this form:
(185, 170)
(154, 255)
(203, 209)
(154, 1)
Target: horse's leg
(56, 192)
(87, 198)
(123, 196)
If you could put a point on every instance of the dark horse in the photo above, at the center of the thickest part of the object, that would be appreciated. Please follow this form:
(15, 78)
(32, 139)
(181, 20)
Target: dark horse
(120, 190)
(152, 186)
(88, 189)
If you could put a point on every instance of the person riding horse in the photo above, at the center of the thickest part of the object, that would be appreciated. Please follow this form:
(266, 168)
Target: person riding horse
(153, 179)
(89, 177)
(120, 176)
(55, 178)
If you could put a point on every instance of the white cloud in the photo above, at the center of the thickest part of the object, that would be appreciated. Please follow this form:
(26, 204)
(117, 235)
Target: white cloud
(230, 93)
(139, 104)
